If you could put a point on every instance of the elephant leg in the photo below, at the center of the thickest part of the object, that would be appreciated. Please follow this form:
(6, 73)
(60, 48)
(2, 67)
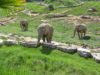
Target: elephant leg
(26, 28)
(78, 35)
(43, 38)
(39, 38)
(21, 26)
(49, 38)
(81, 35)
(84, 34)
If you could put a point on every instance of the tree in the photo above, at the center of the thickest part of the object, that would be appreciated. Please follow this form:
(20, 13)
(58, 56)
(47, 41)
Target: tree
(11, 3)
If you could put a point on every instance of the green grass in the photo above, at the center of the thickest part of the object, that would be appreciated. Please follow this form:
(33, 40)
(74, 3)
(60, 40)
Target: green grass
(18, 60)
(79, 10)
(4, 12)
(35, 7)
(63, 31)
(82, 10)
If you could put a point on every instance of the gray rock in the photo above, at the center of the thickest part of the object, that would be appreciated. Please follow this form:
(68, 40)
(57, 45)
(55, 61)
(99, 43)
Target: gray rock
(84, 52)
(30, 44)
(96, 57)
(10, 34)
(21, 43)
(1, 42)
(92, 10)
(10, 42)
(67, 49)
(49, 45)
(28, 39)
(97, 50)
(3, 36)
(21, 38)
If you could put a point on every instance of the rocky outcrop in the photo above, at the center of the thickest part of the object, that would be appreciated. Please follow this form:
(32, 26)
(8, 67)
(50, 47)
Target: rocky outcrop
(1, 42)
(11, 39)
(83, 52)
(67, 49)
(50, 45)
(96, 57)
(10, 42)
(30, 44)
(7, 20)
(92, 10)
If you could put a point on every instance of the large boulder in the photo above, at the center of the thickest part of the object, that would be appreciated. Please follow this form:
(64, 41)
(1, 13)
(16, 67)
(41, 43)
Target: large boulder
(83, 52)
(96, 57)
(49, 45)
(20, 38)
(10, 42)
(67, 49)
(1, 42)
(3, 36)
(92, 10)
(30, 44)
(28, 39)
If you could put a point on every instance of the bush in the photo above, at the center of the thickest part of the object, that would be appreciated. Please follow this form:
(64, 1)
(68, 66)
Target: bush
(50, 7)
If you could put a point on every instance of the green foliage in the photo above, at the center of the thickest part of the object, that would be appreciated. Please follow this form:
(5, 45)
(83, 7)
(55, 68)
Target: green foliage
(18, 60)
(51, 7)
(8, 3)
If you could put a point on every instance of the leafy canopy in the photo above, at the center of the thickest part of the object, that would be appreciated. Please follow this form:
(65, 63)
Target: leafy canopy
(9, 3)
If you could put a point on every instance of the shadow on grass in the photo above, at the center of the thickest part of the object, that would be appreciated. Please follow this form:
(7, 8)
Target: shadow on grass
(46, 50)
(86, 38)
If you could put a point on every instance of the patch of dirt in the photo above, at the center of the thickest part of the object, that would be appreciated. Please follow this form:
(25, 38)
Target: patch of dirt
(7, 20)
(83, 19)
(97, 50)
(75, 20)
(97, 32)
(30, 13)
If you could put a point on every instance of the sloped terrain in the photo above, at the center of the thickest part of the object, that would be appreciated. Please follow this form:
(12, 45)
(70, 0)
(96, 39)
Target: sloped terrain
(18, 60)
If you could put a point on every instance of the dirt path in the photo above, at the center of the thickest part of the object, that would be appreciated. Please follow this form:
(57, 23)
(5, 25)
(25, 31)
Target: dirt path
(83, 19)
(6, 20)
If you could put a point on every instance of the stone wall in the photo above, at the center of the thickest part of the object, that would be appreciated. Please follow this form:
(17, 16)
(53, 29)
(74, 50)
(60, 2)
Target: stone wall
(11, 39)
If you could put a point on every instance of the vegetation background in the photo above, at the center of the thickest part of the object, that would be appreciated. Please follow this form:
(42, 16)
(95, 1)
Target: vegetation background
(17, 60)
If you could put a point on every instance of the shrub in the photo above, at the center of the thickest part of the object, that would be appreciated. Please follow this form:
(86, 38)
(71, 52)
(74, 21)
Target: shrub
(50, 7)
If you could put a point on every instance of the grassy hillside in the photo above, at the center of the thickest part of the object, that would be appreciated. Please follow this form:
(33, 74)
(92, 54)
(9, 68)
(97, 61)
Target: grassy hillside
(78, 10)
(17, 60)
(82, 10)
(3, 12)
(63, 31)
